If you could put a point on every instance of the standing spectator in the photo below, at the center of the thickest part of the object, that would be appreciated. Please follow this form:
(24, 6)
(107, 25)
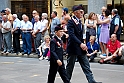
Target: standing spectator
(37, 33)
(101, 16)
(115, 25)
(26, 27)
(34, 13)
(91, 26)
(7, 36)
(54, 23)
(113, 47)
(104, 34)
(85, 27)
(65, 15)
(16, 34)
(44, 25)
(56, 57)
(76, 48)
(8, 13)
(92, 48)
(1, 35)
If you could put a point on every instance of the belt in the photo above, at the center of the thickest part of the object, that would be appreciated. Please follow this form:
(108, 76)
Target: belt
(26, 31)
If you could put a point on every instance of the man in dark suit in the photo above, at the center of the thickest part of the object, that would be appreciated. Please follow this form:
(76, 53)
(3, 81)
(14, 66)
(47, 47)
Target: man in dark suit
(76, 48)
(56, 57)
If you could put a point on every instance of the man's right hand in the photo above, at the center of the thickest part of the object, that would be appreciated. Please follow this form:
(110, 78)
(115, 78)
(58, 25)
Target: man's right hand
(59, 62)
(83, 46)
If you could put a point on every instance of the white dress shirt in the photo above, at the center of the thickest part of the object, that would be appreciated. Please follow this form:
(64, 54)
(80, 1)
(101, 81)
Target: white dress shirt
(37, 25)
(43, 24)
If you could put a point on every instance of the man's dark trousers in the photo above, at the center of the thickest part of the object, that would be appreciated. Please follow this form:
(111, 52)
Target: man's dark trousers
(16, 42)
(83, 60)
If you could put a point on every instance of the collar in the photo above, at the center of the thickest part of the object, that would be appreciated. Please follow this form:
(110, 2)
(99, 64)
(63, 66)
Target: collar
(16, 19)
(55, 17)
(58, 38)
(77, 18)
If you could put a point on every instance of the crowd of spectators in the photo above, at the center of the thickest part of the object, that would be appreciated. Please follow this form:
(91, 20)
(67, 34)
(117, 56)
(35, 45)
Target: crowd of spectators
(101, 33)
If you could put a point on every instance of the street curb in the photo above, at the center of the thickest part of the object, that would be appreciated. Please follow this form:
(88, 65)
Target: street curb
(33, 55)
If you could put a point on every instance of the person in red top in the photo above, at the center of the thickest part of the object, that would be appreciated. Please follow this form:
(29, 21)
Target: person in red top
(112, 50)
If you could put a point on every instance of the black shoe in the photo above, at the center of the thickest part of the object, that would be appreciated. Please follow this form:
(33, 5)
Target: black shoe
(28, 54)
(98, 82)
(3, 52)
(24, 53)
(17, 53)
(39, 56)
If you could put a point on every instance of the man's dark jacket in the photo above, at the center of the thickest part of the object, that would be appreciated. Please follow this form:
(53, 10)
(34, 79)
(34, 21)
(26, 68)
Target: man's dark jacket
(75, 37)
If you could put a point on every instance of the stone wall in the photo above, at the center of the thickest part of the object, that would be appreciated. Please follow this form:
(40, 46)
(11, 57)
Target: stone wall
(96, 5)
(5, 4)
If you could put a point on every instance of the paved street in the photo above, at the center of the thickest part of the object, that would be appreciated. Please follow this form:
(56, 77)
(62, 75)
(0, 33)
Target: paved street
(31, 70)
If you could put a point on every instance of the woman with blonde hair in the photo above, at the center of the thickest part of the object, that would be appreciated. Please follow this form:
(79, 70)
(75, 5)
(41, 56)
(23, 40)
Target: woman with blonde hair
(44, 48)
(92, 48)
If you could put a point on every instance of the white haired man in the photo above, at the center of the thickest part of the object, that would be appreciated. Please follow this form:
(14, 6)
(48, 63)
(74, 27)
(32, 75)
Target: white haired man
(37, 33)
(26, 27)
(16, 33)
(7, 36)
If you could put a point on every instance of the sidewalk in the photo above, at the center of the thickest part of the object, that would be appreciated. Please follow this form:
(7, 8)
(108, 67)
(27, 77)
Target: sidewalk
(33, 55)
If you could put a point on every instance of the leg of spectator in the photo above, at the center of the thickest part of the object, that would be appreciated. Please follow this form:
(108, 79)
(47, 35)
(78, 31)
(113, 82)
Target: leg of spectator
(102, 47)
(28, 41)
(87, 37)
(9, 41)
(92, 57)
(4, 43)
(37, 41)
(24, 42)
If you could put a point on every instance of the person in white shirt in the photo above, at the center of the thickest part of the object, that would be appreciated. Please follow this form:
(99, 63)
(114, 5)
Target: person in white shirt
(16, 34)
(26, 27)
(44, 26)
(7, 36)
(37, 33)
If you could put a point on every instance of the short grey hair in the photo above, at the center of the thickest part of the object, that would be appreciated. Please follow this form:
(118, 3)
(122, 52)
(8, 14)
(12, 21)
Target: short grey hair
(24, 15)
(115, 11)
(45, 15)
(8, 9)
(14, 15)
(34, 11)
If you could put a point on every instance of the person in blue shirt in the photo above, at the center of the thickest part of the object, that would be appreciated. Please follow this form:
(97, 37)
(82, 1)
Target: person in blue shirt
(92, 48)
(115, 25)
(16, 33)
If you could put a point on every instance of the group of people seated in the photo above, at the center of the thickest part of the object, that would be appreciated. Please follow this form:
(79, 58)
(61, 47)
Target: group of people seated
(113, 52)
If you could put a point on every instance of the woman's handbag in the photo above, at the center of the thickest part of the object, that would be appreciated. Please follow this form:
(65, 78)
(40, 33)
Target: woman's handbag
(92, 31)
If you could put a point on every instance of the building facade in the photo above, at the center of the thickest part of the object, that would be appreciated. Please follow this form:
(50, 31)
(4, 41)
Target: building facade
(27, 6)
